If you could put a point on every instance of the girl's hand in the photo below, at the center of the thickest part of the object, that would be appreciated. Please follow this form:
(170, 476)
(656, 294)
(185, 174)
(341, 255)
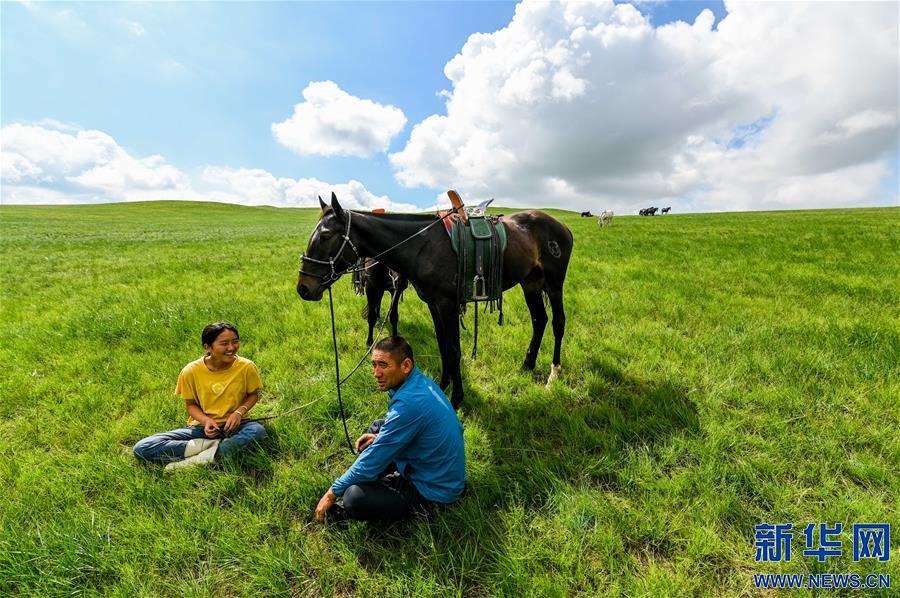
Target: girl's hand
(233, 422)
(211, 429)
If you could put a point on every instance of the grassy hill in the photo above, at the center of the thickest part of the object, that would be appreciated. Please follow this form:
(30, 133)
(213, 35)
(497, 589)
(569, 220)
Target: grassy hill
(719, 371)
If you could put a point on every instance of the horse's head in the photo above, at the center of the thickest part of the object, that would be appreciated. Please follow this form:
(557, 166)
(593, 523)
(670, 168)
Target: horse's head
(329, 254)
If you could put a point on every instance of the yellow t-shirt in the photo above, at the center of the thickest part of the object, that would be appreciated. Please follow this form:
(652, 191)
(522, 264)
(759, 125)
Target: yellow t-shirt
(218, 393)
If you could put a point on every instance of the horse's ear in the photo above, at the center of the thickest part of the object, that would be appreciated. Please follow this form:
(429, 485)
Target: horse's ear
(338, 210)
(322, 203)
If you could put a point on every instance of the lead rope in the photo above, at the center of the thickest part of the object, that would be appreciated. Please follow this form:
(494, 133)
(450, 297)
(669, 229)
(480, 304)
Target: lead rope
(337, 373)
(322, 396)
(475, 339)
(393, 247)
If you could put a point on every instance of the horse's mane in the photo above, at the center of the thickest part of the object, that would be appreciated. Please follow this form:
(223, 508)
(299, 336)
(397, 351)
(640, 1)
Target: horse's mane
(396, 216)
(402, 216)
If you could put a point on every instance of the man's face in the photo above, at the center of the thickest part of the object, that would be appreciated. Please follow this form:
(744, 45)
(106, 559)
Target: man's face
(388, 373)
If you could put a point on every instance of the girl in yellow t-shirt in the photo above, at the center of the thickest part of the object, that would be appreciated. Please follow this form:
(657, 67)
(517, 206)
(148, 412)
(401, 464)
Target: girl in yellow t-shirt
(218, 390)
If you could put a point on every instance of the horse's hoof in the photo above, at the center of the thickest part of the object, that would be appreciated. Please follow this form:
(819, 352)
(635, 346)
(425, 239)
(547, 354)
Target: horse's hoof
(554, 373)
(527, 367)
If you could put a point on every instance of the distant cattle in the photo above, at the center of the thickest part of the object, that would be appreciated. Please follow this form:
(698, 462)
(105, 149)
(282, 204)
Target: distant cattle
(586, 214)
(605, 217)
(666, 210)
(648, 211)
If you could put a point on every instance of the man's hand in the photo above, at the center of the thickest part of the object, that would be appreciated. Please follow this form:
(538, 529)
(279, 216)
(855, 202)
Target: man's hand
(233, 422)
(363, 442)
(324, 504)
(211, 428)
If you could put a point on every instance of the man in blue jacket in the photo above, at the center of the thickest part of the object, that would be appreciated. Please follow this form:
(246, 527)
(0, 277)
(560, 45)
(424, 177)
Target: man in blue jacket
(411, 459)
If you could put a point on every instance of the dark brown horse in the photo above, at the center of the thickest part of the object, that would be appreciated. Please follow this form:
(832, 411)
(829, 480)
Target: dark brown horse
(373, 279)
(536, 257)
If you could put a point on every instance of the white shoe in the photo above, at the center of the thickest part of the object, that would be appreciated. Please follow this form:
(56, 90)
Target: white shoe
(196, 446)
(206, 456)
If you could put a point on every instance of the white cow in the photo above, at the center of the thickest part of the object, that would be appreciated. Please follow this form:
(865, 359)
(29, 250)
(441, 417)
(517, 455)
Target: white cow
(605, 217)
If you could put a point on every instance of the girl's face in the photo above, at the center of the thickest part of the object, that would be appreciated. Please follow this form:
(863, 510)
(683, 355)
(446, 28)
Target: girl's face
(225, 347)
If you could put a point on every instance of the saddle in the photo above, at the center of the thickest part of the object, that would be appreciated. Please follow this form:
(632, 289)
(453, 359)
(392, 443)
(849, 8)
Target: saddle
(479, 242)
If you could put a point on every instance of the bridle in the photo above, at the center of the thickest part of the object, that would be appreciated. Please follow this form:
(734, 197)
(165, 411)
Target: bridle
(332, 276)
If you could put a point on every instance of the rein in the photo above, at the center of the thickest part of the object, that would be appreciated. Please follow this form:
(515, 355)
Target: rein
(331, 277)
(337, 370)
(415, 234)
(320, 397)
(328, 281)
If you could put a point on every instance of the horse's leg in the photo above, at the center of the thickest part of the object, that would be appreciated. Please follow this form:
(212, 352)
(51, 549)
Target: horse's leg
(559, 329)
(446, 327)
(373, 298)
(535, 303)
(450, 319)
(394, 311)
(559, 322)
(441, 341)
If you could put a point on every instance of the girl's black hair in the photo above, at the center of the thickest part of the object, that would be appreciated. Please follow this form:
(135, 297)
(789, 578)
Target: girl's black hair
(212, 332)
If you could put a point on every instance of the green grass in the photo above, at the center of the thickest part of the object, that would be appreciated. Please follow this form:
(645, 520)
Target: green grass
(720, 371)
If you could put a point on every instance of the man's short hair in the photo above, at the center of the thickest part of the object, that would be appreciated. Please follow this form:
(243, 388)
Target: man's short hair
(397, 347)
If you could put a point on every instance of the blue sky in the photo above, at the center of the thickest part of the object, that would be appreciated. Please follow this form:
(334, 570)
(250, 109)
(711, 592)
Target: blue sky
(188, 93)
(244, 66)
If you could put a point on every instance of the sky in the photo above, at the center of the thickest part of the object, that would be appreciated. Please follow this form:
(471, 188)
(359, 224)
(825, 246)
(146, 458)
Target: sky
(589, 105)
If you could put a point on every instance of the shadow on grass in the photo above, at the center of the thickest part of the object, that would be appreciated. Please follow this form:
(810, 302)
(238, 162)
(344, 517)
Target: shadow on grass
(531, 447)
(536, 443)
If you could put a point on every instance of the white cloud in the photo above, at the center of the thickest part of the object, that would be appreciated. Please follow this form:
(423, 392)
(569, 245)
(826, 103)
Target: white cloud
(255, 186)
(331, 122)
(78, 166)
(65, 23)
(53, 163)
(132, 27)
(586, 105)
(170, 67)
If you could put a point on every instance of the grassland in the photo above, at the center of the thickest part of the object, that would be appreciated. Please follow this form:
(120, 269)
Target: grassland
(720, 371)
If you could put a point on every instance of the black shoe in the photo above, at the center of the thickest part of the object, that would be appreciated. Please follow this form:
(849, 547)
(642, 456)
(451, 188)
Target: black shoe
(336, 514)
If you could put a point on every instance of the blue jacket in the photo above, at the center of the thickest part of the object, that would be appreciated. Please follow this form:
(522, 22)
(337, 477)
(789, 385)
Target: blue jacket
(422, 436)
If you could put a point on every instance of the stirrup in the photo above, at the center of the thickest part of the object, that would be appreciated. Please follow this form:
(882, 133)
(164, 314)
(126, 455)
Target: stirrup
(479, 284)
